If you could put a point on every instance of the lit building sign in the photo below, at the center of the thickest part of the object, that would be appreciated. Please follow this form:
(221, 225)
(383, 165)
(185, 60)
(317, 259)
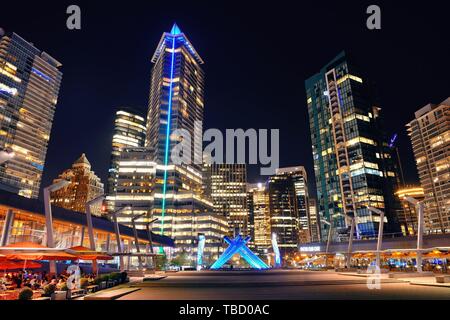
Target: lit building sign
(310, 249)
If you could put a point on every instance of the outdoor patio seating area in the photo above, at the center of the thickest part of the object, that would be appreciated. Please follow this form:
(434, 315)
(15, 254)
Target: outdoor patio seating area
(23, 277)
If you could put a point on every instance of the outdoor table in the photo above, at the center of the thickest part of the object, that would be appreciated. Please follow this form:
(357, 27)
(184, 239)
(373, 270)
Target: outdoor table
(4, 296)
(37, 293)
(76, 293)
(92, 288)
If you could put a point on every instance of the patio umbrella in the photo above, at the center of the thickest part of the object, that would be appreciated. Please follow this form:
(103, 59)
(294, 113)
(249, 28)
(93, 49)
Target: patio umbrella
(13, 265)
(402, 254)
(437, 254)
(34, 251)
(88, 254)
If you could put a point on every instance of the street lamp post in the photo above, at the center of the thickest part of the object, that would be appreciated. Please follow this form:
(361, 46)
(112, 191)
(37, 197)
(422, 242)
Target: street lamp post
(49, 218)
(420, 227)
(380, 233)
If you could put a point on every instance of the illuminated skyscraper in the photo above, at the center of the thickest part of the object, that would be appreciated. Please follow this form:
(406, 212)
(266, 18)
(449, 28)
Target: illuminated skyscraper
(229, 195)
(84, 186)
(129, 131)
(149, 183)
(29, 87)
(314, 226)
(259, 215)
(353, 164)
(430, 138)
(139, 185)
(176, 96)
(288, 203)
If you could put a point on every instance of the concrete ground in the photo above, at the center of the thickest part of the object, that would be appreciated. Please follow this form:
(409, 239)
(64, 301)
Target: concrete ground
(278, 285)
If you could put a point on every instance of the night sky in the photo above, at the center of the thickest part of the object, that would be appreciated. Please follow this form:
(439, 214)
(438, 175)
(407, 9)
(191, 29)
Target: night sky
(257, 57)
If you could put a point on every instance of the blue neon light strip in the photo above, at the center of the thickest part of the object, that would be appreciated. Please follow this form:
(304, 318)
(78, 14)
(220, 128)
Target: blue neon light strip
(166, 155)
(41, 74)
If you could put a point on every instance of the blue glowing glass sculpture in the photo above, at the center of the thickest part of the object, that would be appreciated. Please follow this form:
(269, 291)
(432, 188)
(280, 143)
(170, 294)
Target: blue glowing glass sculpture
(200, 249)
(239, 245)
(276, 250)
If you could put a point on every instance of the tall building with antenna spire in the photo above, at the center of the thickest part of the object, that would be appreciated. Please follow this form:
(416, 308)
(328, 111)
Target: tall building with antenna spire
(174, 193)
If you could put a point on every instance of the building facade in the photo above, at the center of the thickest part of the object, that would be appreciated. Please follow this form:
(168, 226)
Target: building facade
(188, 214)
(430, 137)
(29, 88)
(84, 186)
(314, 219)
(288, 205)
(150, 185)
(129, 131)
(407, 216)
(353, 162)
(228, 185)
(259, 214)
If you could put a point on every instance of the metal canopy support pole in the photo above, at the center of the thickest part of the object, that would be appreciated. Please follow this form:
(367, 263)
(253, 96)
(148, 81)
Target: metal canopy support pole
(329, 238)
(150, 242)
(119, 243)
(350, 242)
(90, 226)
(136, 243)
(420, 236)
(49, 227)
(380, 239)
(82, 236)
(9, 220)
(72, 241)
(108, 241)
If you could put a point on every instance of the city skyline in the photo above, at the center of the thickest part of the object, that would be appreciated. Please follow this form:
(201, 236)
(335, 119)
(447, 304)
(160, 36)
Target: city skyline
(98, 149)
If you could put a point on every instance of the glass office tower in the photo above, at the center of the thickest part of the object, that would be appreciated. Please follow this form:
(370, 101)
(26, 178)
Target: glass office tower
(228, 191)
(288, 206)
(353, 163)
(259, 216)
(29, 87)
(129, 132)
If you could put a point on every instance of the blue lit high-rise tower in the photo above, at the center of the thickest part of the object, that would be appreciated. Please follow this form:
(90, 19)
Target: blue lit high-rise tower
(175, 191)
